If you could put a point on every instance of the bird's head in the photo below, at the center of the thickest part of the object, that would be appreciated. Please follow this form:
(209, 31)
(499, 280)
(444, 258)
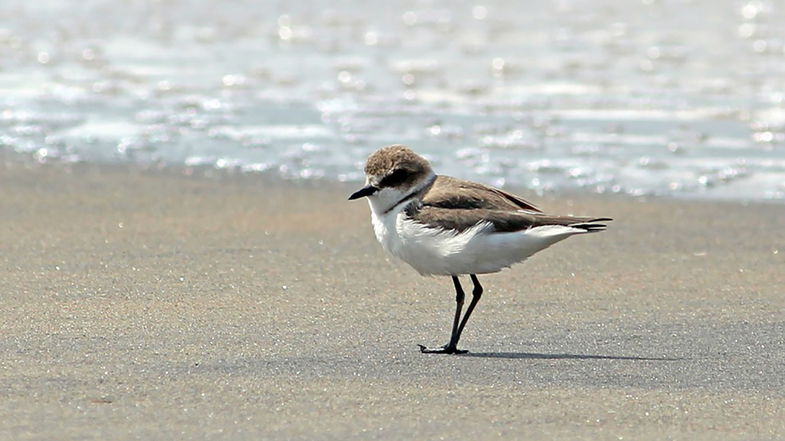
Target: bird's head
(391, 174)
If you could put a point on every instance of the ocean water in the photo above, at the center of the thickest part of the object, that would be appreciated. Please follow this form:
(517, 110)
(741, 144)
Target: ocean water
(680, 98)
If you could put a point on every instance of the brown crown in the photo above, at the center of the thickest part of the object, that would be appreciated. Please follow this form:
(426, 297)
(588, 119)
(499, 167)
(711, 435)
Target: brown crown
(385, 159)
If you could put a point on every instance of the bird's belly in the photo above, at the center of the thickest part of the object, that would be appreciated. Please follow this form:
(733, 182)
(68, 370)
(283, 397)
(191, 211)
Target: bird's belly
(433, 251)
(471, 252)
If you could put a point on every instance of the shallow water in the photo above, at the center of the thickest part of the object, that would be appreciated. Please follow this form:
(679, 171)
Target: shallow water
(675, 98)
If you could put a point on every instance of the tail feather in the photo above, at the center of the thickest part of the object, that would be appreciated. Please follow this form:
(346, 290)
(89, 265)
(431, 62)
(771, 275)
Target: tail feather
(590, 226)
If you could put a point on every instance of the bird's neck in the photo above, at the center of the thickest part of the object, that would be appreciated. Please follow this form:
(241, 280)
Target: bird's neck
(405, 199)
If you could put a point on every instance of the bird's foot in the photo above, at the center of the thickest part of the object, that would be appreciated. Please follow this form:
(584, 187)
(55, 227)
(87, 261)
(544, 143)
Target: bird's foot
(446, 349)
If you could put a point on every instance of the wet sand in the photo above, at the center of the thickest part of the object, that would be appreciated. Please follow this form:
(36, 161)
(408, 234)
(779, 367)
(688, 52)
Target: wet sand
(143, 305)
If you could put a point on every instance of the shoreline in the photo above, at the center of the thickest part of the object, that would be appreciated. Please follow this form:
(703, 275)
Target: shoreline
(12, 160)
(140, 303)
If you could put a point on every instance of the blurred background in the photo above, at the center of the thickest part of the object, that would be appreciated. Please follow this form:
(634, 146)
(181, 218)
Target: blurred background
(682, 98)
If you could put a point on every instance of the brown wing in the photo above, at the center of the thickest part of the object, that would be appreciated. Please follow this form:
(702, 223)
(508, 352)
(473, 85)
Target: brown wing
(461, 219)
(447, 192)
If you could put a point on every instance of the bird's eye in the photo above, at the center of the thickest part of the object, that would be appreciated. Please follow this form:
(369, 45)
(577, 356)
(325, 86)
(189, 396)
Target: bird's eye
(395, 178)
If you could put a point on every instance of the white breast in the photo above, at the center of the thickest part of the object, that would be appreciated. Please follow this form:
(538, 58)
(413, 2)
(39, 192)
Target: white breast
(478, 250)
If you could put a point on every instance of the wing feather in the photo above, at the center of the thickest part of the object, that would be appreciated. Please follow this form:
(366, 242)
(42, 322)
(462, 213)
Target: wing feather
(502, 220)
(448, 192)
(458, 205)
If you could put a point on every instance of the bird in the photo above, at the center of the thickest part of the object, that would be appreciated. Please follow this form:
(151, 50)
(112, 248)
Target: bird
(445, 226)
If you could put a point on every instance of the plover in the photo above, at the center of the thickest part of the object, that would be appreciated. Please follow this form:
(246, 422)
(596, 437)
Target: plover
(446, 226)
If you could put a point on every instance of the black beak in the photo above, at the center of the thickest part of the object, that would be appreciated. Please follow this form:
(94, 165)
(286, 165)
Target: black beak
(365, 191)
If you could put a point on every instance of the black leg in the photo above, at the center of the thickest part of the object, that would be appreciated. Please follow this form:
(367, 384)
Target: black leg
(476, 294)
(459, 296)
(452, 346)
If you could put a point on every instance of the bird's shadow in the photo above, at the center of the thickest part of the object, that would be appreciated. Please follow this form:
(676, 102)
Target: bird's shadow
(538, 356)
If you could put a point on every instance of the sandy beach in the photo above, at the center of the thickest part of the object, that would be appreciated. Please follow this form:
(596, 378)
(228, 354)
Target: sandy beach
(152, 305)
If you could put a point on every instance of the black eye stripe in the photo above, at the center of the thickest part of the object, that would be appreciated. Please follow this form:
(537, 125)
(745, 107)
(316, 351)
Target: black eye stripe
(397, 177)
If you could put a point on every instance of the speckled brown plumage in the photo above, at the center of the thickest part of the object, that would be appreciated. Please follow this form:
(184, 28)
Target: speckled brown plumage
(448, 192)
(503, 221)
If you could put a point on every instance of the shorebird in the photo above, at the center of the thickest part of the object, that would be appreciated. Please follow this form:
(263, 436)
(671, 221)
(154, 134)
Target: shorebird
(446, 226)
